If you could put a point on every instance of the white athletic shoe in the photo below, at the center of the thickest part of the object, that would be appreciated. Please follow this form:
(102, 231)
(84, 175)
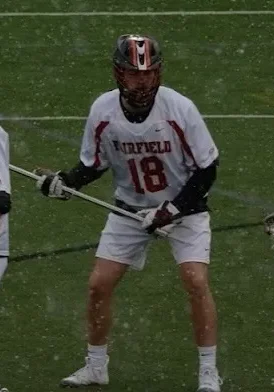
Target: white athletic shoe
(87, 375)
(4, 390)
(209, 380)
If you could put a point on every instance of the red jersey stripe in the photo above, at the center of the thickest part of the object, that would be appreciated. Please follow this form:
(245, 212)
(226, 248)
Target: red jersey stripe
(98, 132)
(181, 136)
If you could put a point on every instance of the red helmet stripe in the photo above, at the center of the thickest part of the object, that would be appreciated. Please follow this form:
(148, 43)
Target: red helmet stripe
(147, 53)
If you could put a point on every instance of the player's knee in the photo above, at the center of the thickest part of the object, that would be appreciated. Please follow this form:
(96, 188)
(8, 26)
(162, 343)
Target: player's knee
(104, 278)
(99, 288)
(198, 287)
(196, 283)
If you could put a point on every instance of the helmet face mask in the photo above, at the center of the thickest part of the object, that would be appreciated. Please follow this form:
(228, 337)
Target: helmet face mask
(138, 88)
(137, 69)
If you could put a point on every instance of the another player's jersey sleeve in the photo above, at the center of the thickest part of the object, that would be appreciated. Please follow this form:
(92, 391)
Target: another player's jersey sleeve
(198, 139)
(4, 162)
(93, 153)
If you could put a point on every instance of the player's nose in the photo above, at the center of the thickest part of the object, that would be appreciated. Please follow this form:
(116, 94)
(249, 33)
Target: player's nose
(142, 78)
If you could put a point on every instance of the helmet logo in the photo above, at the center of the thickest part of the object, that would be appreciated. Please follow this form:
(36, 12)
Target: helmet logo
(140, 56)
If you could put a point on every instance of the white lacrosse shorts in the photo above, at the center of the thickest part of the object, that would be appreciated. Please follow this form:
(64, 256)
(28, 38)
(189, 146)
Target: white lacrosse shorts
(124, 240)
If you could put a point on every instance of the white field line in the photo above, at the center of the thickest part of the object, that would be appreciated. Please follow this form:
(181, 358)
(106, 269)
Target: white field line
(80, 118)
(137, 13)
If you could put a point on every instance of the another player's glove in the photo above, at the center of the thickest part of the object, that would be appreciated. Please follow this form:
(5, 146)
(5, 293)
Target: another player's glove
(5, 203)
(165, 214)
(269, 224)
(50, 184)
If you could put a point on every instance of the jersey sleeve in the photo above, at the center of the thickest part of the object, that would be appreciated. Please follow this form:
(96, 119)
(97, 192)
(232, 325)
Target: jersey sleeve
(199, 144)
(4, 162)
(93, 153)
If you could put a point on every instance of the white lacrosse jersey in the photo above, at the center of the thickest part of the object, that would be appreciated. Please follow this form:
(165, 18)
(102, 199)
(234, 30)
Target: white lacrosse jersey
(151, 161)
(4, 186)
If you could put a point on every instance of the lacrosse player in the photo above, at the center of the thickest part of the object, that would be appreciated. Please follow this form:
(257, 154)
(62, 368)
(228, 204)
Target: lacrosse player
(164, 162)
(5, 201)
(5, 205)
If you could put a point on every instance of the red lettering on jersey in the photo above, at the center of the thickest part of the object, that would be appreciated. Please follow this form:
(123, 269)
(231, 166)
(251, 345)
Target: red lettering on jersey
(116, 145)
(160, 148)
(139, 147)
(167, 147)
(123, 148)
(130, 148)
(153, 174)
(146, 147)
(152, 147)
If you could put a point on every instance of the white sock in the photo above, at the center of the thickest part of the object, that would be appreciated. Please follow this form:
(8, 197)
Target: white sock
(98, 354)
(207, 356)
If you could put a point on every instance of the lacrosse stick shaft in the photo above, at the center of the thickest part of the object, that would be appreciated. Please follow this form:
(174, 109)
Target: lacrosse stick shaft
(91, 199)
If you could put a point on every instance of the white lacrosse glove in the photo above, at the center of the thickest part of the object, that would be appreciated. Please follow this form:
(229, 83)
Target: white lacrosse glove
(269, 224)
(164, 215)
(50, 184)
(143, 213)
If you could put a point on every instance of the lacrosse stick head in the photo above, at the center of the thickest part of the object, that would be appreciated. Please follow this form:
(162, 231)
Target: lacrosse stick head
(269, 224)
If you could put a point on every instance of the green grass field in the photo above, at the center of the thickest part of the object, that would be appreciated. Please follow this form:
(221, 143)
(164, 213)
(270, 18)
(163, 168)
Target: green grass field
(56, 66)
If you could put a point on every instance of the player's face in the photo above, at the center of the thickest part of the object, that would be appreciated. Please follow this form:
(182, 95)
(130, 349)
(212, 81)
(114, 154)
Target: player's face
(140, 85)
(136, 80)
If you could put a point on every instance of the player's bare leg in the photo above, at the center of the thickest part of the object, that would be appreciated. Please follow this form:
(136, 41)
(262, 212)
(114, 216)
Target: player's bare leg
(103, 280)
(204, 318)
(203, 310)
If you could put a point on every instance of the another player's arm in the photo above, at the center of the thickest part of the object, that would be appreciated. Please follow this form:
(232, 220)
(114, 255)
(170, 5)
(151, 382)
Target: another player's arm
(5, 203)
(5, 197)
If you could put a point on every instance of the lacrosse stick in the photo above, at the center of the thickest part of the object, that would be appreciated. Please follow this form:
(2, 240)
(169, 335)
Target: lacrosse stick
(91, 199)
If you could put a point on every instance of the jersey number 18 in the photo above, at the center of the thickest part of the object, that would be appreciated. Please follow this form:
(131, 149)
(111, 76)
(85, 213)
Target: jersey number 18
(153, 174)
